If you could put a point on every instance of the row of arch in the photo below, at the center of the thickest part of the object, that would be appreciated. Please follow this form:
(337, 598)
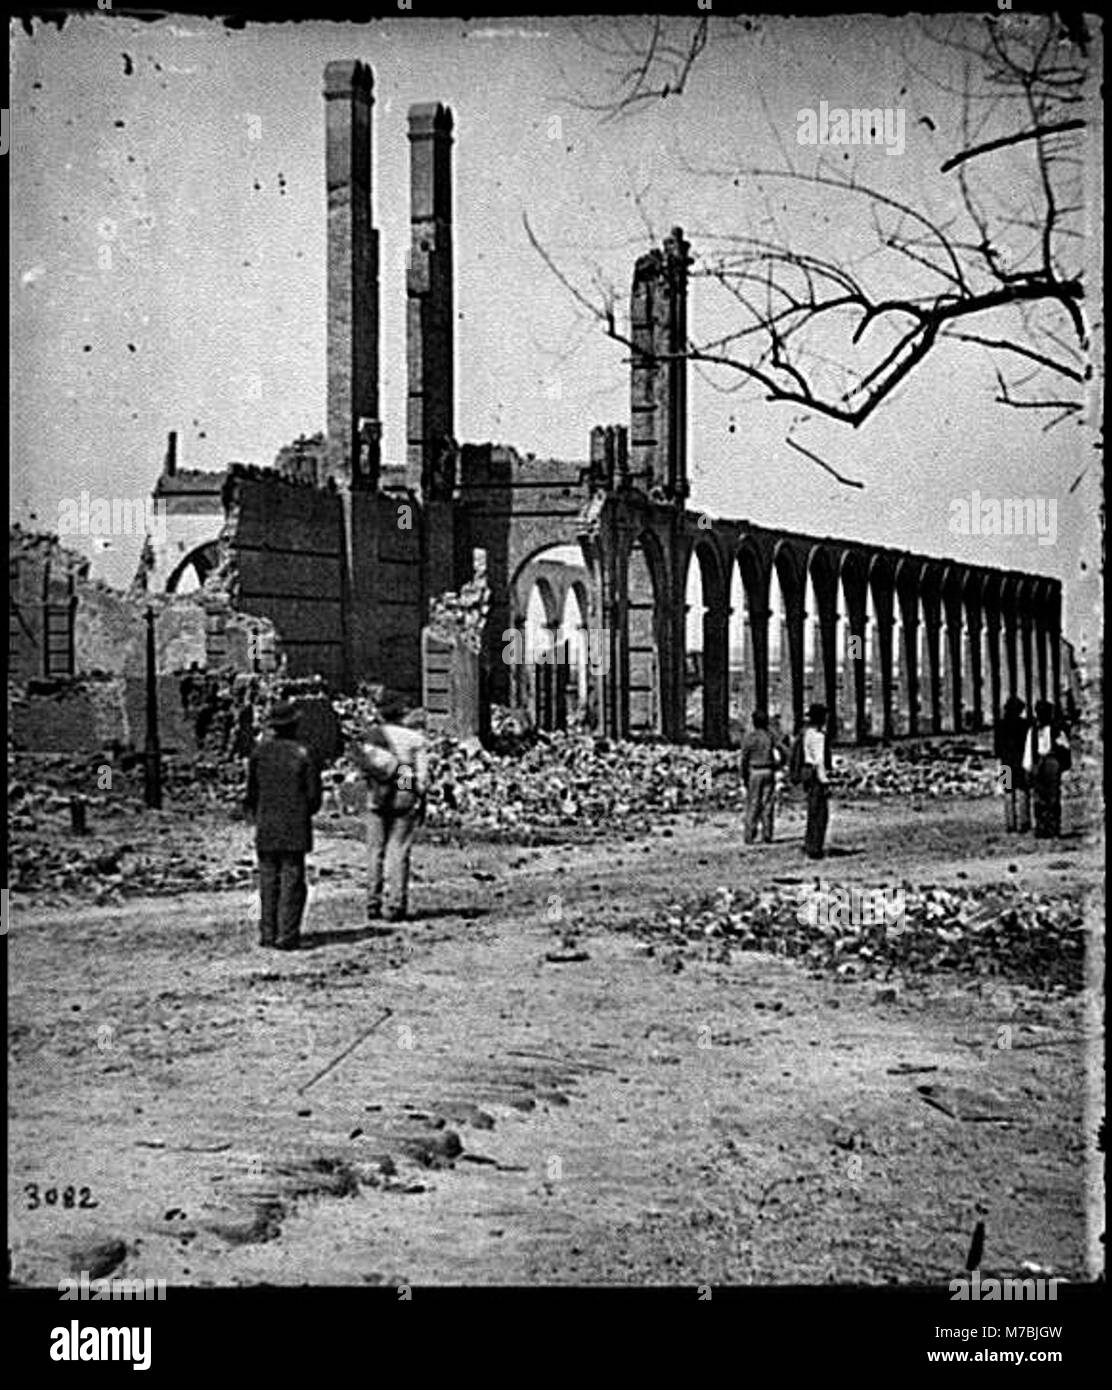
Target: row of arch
(703, 624)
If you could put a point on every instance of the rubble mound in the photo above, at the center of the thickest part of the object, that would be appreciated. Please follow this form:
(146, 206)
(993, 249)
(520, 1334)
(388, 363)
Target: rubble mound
(1003, 932)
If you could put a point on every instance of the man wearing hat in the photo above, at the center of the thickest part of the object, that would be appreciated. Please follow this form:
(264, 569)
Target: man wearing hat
(283, 795)
(1011, 744)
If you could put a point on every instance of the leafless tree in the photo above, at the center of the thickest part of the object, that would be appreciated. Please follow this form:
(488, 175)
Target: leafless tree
(999, 273)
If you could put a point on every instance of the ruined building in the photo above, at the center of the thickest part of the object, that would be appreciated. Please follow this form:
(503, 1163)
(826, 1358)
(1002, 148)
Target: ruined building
(348, 555)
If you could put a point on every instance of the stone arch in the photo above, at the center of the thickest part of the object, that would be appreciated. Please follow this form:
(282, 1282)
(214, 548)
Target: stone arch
(991, 612)
(954, 664)
(788, 572)
(823, 565)
(889, 633)
(907, 580)
(930, 597)
(710, 674)
(575, 627)
(749, 632)
(190, 573)
(646, 644)
(975, 654)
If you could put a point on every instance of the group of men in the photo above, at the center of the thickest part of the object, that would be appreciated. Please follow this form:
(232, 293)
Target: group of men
(1033, 754)
(767, 756)
(284, 793)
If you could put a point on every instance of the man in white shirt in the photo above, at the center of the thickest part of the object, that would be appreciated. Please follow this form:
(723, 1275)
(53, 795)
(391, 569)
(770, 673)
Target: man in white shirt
(815, 779)
(395, 808)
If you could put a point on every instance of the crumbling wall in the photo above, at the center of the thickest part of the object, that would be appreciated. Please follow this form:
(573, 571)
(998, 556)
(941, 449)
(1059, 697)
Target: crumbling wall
(385, 605)
(513, 507)
(284, 544)
(43, 578)
(455, 676)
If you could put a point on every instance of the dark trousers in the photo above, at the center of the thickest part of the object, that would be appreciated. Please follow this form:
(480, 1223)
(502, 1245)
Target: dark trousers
(760, 804)
(818, 813)
(1017, 801)
(1048, 798)
(389, 842)
(282, 892)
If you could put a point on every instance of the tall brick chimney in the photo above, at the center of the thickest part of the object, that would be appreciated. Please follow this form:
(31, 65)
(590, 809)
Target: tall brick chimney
(430, 319)
(354, 430)
(658, 382)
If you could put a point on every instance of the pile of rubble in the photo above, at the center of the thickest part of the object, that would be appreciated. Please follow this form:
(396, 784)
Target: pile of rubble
(461, 617)
(946, 767)
(1003, 932)
(576, 783)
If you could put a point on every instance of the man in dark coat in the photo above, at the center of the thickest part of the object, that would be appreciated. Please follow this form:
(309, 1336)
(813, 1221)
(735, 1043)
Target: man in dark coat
(1011, 741)
(1046, 758)
(283, 796)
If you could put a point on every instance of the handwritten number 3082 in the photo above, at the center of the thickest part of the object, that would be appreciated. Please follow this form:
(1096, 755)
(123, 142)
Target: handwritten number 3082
(70, 1197)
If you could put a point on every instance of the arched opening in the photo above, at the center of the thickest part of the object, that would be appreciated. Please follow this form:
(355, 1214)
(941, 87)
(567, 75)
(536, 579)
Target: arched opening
(645, 702)
(194, 569)
(814, 681)
(739, 642)
(551, 659)
(694, 639)
(874, 682)
(780, 679)
(575, 636)
(539, 654)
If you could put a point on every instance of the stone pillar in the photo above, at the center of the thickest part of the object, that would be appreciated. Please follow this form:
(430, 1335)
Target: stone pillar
(1040, 652)
(716, 675)
(658, 381)
(1010, 655)
(881, 721)
(430, 319)
(954, 669)
(933, 629)
(1028, 661)
(354, 430)
(672, 341)
(992, 643)
(1055, 635)
(758, 656)
(644, 442)
(911, 673)
(976, 671)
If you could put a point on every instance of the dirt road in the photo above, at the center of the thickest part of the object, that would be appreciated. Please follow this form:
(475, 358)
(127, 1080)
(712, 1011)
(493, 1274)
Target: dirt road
(551, 1097)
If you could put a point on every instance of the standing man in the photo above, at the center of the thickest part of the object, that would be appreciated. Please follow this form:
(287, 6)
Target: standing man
(283, 796)
(759, 760)
(396, 805)
(1047, 756)
(1011, 744)
(815, 778)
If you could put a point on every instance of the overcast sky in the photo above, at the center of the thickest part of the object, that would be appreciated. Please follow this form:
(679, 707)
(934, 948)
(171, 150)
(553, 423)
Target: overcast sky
(208, 316)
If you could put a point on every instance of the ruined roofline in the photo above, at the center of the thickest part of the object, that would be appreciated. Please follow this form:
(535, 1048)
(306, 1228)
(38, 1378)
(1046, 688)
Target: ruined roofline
(190, 480)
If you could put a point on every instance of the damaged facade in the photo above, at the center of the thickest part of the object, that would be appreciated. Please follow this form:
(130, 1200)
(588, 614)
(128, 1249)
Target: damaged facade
(350, 558)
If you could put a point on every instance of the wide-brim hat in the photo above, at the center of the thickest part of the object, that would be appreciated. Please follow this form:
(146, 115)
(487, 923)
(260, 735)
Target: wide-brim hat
(284, 715)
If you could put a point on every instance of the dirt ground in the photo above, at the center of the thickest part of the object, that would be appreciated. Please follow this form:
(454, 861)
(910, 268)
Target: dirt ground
(620, 1113)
